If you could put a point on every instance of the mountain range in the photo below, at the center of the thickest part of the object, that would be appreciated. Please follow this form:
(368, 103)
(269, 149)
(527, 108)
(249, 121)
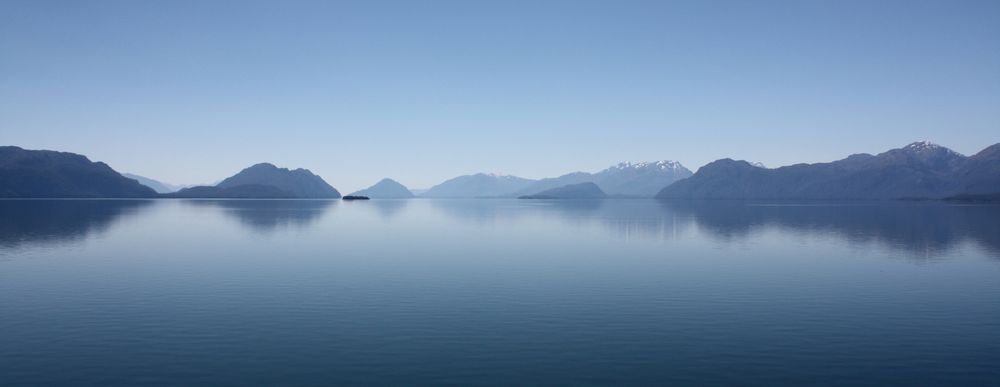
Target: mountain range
(921, 170)
(626, 179)
(918, 170)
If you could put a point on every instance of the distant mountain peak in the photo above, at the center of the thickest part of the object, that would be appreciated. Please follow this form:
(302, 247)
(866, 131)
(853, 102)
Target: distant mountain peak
(758, 164)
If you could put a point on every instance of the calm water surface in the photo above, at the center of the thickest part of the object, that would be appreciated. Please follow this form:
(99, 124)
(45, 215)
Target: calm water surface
(175, 292)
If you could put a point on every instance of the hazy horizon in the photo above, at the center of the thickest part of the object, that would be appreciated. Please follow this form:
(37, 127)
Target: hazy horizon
(193, 92)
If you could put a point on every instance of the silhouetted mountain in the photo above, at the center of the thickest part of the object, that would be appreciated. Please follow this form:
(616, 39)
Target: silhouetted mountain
(156, 185)
(919, 170)
(50, 174)
(572, 191)
(265, 181)
(478, 185)
(385, 189)
(300, 182)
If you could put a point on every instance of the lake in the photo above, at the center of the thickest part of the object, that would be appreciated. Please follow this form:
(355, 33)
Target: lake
(522, 292)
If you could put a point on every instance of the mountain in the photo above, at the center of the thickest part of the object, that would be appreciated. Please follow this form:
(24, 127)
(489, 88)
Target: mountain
(572, 191)
(980, 174)
(918, 170)
(385, 189)
(478, 185)
(50, 174)
(265, 180)
(158, 186)
(643, 179)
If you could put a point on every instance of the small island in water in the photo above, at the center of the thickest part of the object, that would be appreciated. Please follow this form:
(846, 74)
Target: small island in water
(355, 197)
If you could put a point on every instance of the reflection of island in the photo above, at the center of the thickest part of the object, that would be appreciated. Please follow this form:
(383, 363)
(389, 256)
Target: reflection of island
(922, 229)
(45, 222)
(269, 215)
(388, 208)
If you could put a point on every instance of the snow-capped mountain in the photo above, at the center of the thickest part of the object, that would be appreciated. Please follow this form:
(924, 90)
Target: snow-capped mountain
(662, 165)
(640, 179)
(636, 179)
(927, 147)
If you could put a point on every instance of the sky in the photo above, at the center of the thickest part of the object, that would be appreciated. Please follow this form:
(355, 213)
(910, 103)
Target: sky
(421, 91)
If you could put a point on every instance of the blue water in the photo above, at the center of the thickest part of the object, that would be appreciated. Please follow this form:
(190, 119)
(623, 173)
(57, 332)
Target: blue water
(613, 292)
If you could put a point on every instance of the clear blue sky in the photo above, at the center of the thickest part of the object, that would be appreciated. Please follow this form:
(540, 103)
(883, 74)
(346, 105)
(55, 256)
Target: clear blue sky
(421, 91)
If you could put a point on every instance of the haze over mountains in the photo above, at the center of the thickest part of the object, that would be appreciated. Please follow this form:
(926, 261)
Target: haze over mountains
(156, 185)
(919, 170)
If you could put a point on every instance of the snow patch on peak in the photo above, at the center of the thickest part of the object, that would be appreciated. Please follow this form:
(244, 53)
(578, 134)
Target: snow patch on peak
(661, 165)
(921, 145)
(758, 164)
(500, 175)
(927, 146)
